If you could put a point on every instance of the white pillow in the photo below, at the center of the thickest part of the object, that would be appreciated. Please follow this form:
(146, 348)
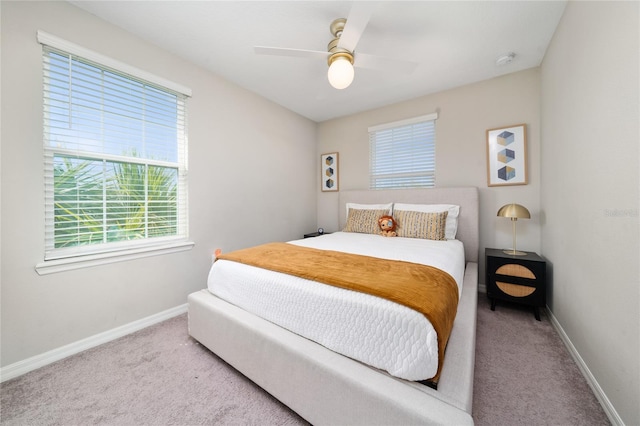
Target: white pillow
(451, 227)
(387, 206)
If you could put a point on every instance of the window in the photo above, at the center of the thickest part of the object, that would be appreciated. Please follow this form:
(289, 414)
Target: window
(403, 154)
(115, 151)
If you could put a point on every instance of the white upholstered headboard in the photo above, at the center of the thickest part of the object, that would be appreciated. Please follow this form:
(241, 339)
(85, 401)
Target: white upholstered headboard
(465, 197)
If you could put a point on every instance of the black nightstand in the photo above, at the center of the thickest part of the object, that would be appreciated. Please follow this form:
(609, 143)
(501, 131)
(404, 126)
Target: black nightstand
(315, 234)
(518, 279)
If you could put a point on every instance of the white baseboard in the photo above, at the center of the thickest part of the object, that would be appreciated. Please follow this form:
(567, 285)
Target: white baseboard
(608, 408)
(22, 367)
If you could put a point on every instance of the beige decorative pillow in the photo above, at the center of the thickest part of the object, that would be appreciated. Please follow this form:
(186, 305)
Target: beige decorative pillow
(412, 224)
(452, 218)
(364, 221)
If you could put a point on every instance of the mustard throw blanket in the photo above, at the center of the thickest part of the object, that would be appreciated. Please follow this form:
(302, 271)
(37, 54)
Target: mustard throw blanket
(425, 289)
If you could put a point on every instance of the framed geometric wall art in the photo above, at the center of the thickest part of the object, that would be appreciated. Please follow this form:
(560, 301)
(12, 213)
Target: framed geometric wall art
(507, 155)
(329, 171)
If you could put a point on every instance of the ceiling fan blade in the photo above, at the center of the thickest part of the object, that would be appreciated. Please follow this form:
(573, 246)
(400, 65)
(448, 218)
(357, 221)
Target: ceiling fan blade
(402, 66)
(285, 51)
(356, 23)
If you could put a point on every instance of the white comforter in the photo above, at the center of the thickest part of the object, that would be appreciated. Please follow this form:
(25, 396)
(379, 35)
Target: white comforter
(372, 330)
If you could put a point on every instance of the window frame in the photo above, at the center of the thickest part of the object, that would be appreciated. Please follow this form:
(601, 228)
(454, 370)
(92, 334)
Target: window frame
(394, 175)
(61, 259)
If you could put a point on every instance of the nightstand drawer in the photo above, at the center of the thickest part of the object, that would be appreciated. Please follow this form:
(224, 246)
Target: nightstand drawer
(515, 290)
(515, 270)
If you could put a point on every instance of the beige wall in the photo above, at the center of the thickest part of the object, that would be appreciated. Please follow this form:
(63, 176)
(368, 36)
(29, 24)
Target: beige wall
(465, 113)
(243, 151)
(590, 192)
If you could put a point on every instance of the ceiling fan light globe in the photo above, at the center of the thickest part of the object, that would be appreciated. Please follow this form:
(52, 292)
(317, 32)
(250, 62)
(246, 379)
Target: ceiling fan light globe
(340, 73)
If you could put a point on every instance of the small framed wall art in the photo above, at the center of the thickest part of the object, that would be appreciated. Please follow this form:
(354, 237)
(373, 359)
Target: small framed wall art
(329, 171)
(507, 155)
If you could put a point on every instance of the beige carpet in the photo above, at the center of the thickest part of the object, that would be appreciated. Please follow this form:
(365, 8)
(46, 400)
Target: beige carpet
(524, 374)
(160, 376)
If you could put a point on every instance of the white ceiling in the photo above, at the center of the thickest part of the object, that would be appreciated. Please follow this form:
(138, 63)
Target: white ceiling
(454, 42)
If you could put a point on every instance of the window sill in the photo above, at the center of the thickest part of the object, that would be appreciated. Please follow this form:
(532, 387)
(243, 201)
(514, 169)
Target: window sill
(71, 263)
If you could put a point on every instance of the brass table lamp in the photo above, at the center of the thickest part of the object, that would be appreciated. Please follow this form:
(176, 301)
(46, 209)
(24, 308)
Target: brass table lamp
(514, 212)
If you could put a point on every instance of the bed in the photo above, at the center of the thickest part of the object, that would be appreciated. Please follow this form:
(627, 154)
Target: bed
(327, 387)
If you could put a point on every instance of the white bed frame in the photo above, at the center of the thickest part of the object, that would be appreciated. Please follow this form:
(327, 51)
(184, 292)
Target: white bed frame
(327, 388)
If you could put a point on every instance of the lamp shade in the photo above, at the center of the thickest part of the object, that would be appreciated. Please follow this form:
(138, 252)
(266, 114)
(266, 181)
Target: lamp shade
(514, 211)
(340, 73)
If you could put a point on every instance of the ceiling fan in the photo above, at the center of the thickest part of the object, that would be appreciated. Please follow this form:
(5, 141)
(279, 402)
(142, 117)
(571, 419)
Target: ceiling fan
(340, 54)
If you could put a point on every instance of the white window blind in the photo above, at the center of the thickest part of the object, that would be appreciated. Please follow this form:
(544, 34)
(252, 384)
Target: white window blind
(403, 154)
(115, 150)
